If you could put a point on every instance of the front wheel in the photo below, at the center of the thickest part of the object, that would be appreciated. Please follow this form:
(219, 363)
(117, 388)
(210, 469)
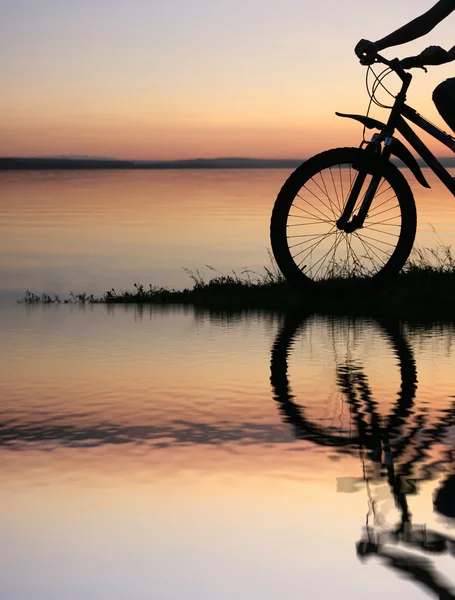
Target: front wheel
(309, 248)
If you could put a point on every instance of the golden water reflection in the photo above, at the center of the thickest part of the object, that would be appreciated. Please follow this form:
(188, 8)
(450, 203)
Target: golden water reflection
(91, 231)
(154, 453)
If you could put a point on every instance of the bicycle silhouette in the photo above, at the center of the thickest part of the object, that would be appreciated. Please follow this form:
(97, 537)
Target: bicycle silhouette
(347, 216)
(392, 447)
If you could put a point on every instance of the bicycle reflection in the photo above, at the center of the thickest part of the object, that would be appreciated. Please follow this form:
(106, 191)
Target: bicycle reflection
(394, 449)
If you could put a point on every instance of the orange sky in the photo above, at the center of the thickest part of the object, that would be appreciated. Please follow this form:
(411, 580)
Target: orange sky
(239, 78)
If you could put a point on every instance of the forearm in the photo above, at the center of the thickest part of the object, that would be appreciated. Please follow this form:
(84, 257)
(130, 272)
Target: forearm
(419, 26)
(413, 30)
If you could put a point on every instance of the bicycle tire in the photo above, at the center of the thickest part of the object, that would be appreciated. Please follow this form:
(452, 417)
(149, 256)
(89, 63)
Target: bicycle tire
(331, 168)
(296, 414)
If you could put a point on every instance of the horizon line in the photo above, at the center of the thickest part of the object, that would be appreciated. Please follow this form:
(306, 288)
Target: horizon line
(100, 157)
(69, 162)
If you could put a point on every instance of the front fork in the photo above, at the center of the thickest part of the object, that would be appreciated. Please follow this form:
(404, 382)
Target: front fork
(345, 222)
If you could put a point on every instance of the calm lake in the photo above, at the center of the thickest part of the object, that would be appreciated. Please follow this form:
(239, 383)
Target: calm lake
(91, 231)
(167, 453)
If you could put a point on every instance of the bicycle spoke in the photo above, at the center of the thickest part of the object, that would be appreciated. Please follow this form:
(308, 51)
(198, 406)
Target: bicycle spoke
(384, 232)
(341, 184)
(317, 198)
(358, 262)
(367, 248)
(313, 237)
(338, 207)
(306, 235)
(308, 224)
(378, 193)
(347, 247)
(382, 250)
(315, 220)
(301, 244)
(332, 264)
(379, 241)
(326, 193)
(307, 212)
(324, 256)
(312, 248)
(385, 223)
(334, 186)
(376, 214)
(376, 206)
(380, 186)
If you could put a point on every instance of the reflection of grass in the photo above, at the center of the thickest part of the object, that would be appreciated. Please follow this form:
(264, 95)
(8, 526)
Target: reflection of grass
(425, 288)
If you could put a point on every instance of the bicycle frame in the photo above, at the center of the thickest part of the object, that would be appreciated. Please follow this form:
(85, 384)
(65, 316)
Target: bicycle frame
(420, 147)
(387, 145)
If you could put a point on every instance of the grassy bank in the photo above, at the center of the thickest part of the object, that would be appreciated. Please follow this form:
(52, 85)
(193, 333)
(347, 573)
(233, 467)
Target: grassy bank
(425, 289)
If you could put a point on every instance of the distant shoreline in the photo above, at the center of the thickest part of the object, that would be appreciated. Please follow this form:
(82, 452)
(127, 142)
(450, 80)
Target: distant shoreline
(76, 163)
(23, 164)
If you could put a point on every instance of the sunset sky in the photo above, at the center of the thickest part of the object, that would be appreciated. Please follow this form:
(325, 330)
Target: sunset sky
(166, 79)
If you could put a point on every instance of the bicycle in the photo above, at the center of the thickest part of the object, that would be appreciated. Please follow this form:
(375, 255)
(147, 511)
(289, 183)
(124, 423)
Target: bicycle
(347, 216)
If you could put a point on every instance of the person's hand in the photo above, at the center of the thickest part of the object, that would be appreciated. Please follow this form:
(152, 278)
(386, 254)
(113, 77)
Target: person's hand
(366, 51)
(411, 62)
(434, 55)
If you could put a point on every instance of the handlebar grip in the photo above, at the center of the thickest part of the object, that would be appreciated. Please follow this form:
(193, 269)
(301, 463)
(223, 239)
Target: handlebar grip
(411, 62)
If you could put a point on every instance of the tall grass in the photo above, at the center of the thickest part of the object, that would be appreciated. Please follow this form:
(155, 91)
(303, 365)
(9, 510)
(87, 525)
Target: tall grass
(425, 287)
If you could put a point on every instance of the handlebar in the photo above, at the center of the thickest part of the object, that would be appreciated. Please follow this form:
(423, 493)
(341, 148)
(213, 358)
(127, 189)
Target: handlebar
(433, 55)
(396, 65)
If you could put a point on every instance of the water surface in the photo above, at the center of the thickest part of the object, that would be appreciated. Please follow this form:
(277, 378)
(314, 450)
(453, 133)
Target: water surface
(168, 453)
(90, 231)
(161, 453)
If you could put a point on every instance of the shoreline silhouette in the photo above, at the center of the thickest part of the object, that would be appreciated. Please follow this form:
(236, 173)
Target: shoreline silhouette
(35, 163)
(78, 163)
